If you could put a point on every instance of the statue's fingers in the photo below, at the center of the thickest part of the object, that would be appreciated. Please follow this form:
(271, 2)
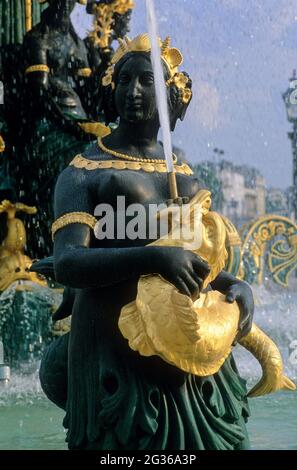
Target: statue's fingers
(182, 287)
(232, 294)
(193, 282)
(201, 268)
(230, 297)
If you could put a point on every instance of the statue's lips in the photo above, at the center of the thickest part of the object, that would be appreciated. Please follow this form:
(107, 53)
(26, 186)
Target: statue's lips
(134, 105)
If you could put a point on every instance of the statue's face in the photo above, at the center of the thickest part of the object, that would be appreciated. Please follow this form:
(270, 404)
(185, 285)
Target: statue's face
(121, 25)
(135, 97)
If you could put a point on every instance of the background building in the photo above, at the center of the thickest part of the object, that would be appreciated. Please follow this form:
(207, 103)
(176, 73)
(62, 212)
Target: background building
(238, 191)
(277, 202)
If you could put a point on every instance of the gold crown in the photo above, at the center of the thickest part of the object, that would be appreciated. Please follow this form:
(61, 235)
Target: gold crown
(170, 55)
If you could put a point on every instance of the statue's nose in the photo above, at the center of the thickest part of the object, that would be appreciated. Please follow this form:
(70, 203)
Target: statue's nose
(134, 89)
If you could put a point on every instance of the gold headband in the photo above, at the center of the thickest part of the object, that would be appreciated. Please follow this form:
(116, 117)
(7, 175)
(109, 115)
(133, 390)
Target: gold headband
(170, 55)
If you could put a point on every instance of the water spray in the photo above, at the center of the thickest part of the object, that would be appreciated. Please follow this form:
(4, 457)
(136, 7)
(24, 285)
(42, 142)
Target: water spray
(161, 96)
(4, 369)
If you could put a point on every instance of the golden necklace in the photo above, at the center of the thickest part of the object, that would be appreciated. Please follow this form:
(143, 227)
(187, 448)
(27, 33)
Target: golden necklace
(129, 157)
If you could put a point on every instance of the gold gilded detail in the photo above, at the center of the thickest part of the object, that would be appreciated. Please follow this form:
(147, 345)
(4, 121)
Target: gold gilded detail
(96, 128)
(14, 264)
(124, 156)
(267, 353)
(37, 68)
(170, 55)
(196, 335)
(104, 20)
(293, 239)
(2, 144)
(83, 163)
(28, 15)
(73, 218)
(281, 254)
(123, 6)
(61, 327)
(84, 72)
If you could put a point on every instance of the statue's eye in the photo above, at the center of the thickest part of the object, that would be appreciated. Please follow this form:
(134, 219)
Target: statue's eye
(124, 78)
(147, 79)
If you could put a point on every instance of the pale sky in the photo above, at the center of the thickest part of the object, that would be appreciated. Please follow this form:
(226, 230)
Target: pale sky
(239, 55)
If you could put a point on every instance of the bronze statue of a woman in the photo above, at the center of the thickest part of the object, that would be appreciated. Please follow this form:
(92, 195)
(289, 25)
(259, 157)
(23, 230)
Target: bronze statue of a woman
(57, 67)
(56, 101)
(115, 398)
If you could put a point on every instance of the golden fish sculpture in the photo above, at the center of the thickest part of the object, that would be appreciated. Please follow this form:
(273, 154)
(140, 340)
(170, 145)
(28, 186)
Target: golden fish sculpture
(14, 264)
(197, 335)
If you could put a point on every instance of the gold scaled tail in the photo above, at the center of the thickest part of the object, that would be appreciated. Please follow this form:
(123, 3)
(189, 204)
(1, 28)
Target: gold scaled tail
(268, 355)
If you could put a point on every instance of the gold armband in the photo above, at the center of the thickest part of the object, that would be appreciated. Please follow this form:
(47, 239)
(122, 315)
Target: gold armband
(2, 144)
(86, 72)
(37, 68)
(73, 218)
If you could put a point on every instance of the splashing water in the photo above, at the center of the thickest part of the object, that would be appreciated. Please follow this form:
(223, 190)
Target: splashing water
(29, 421)
(1, 352)
(274, 313)
(160, 86)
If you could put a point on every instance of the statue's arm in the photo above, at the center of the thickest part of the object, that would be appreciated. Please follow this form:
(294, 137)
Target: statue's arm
(239, 291)
(78, 265)
(35, 50)
(38, 85)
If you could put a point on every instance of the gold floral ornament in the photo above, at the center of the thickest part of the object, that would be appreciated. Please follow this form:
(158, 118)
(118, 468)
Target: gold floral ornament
(104, 20)
(196, 335)
(108, 78)
(171, 56)
(180, 80)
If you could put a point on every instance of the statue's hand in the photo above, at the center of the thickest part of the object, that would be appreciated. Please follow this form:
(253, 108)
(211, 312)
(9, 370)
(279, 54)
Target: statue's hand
(182, 268)
(241, 292)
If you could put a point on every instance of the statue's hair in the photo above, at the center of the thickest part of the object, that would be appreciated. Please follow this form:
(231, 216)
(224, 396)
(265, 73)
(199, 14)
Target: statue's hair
(109, 107)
